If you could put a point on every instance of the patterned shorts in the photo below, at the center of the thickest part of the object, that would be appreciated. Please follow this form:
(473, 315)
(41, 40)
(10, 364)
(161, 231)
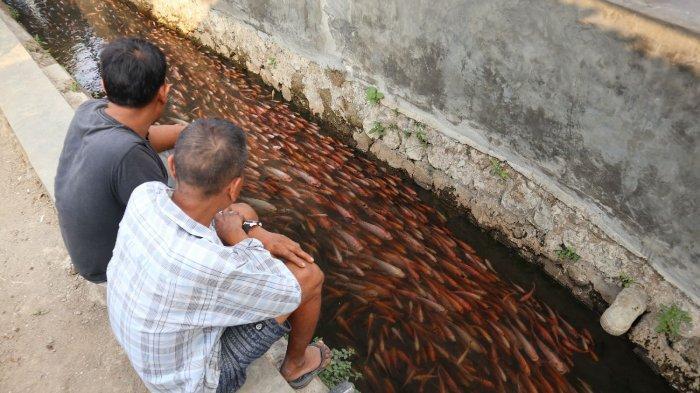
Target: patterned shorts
(240, 346)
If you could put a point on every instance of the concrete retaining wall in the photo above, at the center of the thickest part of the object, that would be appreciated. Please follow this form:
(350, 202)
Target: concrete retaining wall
(591, 109)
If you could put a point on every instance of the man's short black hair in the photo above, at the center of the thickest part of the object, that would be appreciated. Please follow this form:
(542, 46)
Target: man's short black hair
(133, 70)
(209, 154)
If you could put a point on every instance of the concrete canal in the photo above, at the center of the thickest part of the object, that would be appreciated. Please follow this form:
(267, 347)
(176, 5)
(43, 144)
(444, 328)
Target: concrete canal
(429, 302)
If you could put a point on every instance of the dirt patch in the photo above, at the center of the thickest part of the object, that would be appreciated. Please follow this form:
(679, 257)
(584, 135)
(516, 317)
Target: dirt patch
(54, 334)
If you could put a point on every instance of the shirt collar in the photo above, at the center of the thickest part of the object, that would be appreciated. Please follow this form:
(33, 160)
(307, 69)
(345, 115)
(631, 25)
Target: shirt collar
(179, 217)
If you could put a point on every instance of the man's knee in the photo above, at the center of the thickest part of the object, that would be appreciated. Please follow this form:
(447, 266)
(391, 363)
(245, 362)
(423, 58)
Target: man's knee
(310, 278)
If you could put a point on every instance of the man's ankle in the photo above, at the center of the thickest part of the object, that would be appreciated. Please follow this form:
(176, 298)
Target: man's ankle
(293, 364)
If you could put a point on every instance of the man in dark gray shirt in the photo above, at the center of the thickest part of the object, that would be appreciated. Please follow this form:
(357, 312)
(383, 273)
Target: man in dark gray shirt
(111, 148)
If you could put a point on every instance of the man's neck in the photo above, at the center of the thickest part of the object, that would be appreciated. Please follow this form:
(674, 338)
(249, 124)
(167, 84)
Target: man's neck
(137, 119)
(198, 207)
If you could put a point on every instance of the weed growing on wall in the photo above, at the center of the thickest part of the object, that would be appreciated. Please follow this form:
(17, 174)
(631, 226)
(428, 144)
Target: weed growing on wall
(498, 170)
(670, 320)
(340, 369)
(373, 95)
(74, 86)
(568, 253)
(40, 41)
(625, 280)
(272, 62)
(421, 134)
(377, 130)
(14, 13)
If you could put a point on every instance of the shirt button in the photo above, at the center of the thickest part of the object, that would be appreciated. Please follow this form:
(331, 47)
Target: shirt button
(258, 326)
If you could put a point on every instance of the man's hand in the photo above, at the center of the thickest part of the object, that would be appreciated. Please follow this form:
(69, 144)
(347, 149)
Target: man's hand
(278, 245)
(229, 227)
(281, 246)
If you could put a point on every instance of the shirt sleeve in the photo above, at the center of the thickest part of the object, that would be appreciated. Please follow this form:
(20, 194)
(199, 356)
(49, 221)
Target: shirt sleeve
(137, 167)
(256, 287)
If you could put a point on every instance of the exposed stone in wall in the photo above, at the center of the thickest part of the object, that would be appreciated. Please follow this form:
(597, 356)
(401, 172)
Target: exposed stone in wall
(518, 210)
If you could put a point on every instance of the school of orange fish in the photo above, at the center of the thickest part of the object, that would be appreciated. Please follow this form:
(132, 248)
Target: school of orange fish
(431, 314)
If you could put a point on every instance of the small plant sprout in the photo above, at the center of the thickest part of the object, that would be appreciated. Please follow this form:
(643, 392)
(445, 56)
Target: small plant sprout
(395, 111)
(74, 86)
(421, 134)
(39, 40)
(625, 280)
(393, 126)
(272, 62)
(498, 169)
(567, 253)
(340, 369)
(377, 130)
(670, 320)
(14, 13)
(373, 95)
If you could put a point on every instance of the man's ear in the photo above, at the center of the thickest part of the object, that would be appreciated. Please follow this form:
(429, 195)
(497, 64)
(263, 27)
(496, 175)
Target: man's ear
(171, 166)
(163, 93)
(234, 188)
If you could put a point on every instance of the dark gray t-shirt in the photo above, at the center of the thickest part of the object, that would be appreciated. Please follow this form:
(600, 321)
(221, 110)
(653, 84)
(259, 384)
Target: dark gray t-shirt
(101, 163)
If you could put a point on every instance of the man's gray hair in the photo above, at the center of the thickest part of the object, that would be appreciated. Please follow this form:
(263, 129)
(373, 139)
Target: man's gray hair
(209, 154)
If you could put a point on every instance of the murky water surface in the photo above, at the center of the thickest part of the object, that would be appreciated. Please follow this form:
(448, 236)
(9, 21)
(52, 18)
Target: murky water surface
(429, 302)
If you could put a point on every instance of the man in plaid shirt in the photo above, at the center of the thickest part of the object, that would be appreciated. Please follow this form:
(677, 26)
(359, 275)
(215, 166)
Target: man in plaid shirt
(193, 294)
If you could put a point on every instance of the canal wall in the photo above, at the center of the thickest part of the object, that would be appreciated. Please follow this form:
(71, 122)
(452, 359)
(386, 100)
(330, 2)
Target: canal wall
(570, 123)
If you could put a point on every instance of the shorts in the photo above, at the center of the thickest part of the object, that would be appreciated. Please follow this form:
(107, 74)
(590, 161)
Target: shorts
(240, 346)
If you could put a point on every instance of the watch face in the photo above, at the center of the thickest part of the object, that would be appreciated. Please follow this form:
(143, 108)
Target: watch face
(248, 225)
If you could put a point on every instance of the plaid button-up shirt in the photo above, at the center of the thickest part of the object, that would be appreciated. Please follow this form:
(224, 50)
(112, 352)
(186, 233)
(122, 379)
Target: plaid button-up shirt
(173, 287)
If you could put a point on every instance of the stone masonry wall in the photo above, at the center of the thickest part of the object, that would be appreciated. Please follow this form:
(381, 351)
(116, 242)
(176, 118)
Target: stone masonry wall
(533, 210)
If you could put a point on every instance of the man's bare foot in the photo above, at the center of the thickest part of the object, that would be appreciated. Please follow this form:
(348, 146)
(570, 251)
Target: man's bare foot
(315, 357)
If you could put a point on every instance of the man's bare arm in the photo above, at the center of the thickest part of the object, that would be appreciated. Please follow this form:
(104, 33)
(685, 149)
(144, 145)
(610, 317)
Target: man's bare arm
(163, 137)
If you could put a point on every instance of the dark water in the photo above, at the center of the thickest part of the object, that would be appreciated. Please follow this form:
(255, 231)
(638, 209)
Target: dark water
(429, 302)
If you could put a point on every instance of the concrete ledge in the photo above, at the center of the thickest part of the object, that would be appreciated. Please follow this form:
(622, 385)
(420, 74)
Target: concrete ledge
(36, 111)
(263, 376)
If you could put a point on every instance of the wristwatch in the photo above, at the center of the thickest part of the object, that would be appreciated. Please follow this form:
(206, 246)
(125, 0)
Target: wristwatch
(250, 224)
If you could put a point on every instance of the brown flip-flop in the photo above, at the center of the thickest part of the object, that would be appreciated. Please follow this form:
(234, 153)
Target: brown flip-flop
(306, 379)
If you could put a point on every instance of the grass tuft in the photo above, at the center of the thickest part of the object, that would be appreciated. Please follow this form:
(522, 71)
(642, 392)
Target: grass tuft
(670, 320)
(272, 62)
(377, 130)
(422, 134)
(340, 369)
(625, 280)
(74, 86)
(14, 13)
(568, 253)
(40, 41)
(373, 95)
(498, 169)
